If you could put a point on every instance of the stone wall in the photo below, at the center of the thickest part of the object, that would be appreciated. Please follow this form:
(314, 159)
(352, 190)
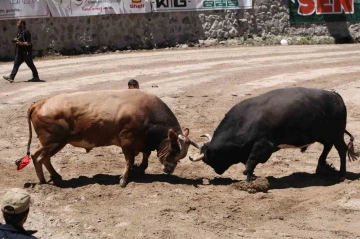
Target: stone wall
(269, 19)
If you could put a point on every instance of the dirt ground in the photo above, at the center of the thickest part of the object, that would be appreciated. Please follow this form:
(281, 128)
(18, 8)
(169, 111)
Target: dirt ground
(200, 86)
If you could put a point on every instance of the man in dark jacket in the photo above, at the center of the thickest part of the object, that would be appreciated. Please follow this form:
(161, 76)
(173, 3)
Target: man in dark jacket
(15, 208)
(23, 52)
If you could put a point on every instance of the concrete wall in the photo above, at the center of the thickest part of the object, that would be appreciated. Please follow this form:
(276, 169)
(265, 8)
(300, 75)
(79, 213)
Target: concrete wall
(268, 20)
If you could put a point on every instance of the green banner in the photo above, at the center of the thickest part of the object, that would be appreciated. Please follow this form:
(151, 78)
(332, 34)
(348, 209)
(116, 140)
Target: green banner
(320, 11)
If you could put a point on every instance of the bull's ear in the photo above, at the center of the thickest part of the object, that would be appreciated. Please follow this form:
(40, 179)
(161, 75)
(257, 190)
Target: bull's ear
(172, 136)
(186, 132)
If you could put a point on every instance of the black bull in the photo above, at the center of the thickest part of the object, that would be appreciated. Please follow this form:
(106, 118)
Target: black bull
(284, 118)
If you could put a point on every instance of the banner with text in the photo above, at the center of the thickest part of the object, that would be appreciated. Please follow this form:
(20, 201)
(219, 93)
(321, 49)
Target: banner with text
(320, 11)
(136, 6)
(198, 5)
(72, 8)
(12, 9)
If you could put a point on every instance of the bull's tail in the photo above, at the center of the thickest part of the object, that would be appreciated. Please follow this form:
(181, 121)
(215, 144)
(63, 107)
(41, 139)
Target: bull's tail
(29, 113)
(351, 150)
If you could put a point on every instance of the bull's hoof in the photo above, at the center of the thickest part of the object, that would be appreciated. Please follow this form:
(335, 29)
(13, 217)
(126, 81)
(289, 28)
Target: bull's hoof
(41, 182)
(123, 183)
(342, 176)
(250, 178)
(56, 179)
(138, 169)
(244, 172)
(326, 170)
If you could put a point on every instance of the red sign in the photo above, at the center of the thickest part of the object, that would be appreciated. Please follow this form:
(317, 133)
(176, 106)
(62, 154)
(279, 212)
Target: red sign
(308, 7)
(134, 5)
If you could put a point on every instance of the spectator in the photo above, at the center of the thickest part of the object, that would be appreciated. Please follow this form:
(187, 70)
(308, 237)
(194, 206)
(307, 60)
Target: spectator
(23, 53)
(15, 208)
(133, 84)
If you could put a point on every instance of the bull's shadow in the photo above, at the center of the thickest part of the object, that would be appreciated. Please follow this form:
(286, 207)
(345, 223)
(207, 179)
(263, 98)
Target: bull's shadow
(101, 179)
(303, 180)
(106, 179)
(164, 178)
(173, 179)
(295, 180)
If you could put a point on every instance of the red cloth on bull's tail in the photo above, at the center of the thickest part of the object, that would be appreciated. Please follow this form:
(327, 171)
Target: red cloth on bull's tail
(22, 163)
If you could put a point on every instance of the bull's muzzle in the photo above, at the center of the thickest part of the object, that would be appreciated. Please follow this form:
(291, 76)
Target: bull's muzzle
(168, 168)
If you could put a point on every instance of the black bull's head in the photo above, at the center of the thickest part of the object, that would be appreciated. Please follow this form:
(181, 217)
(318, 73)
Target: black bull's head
(218, 159)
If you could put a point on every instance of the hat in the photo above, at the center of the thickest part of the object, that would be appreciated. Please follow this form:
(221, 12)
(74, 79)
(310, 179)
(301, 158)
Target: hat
(16, 201)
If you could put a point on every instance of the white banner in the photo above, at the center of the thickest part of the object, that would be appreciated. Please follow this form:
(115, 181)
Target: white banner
(198, 5)
(136, 6)
(12, 9)
(72, 8)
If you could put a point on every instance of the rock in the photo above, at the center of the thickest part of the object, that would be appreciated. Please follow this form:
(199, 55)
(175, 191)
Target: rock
(260, 184)
(213, 34)
(184, 46)
(284, 235)
(210, 42)
(233, 32)
(216, 25)
(122, 224)
(186, 20)
(207, 26)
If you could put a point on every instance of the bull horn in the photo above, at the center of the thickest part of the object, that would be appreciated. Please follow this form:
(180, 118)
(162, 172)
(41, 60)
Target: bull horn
(181, 137)
(208, 136)
(198, 158)
(194, 144)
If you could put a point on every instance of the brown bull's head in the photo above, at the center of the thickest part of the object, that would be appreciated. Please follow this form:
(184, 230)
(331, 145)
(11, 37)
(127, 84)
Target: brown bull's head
(174, 148)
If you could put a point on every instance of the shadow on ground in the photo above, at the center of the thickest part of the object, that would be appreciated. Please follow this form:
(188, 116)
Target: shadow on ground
(295, 180)
(303, 180)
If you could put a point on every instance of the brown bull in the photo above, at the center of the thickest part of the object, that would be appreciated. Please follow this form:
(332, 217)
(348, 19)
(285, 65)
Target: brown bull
(132, 119)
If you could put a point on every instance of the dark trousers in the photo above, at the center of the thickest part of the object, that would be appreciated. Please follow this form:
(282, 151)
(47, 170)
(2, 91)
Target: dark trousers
(19, 59)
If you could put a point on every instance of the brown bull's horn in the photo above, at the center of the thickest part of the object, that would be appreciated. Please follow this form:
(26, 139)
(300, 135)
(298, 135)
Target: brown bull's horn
(198, 158)
(181, 137)
(194, 144)
(208, 136)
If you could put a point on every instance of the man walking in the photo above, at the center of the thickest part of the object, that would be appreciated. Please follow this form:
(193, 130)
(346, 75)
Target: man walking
(15, 207)
(23, 52)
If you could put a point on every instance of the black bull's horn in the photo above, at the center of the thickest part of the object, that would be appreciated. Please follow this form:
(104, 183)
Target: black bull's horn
(198, 158)
(208, 136)
(201, 156)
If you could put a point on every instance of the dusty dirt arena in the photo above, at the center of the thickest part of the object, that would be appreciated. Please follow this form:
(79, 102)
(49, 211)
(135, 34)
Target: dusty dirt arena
(200, 86)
